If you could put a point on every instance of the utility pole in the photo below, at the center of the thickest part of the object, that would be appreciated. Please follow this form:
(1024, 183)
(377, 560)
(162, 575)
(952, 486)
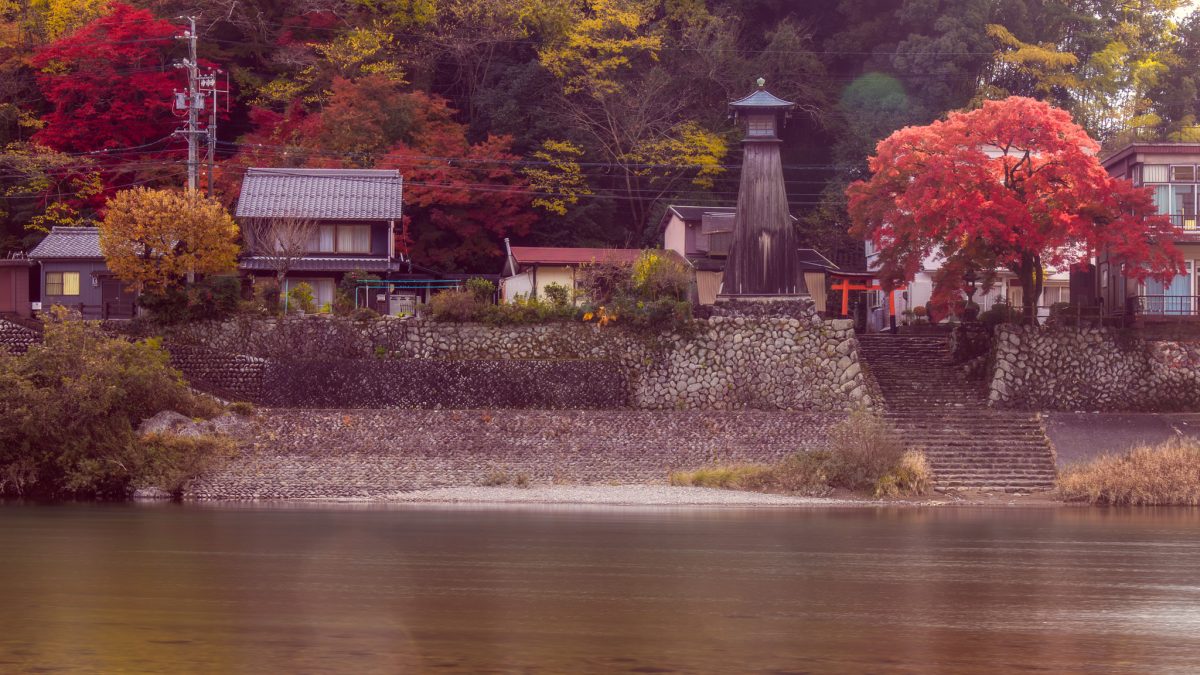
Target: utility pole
(190, 101)
(202, 89)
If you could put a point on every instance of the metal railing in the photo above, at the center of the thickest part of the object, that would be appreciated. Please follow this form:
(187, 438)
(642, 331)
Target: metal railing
(1185, 223)
(1165, 305)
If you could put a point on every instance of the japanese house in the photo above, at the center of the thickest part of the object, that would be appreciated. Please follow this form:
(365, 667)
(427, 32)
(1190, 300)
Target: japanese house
(350, 217)
(72, 274)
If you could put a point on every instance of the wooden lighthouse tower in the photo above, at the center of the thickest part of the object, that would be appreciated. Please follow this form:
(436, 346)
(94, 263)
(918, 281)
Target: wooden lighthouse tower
(762, 263)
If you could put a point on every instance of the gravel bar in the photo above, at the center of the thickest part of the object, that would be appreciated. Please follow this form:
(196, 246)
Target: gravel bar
(614, 495)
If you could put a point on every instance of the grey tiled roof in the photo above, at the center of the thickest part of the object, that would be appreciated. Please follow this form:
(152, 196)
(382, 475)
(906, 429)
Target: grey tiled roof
(762, 100)
(321, 194)
(318, 264)
(69, 242)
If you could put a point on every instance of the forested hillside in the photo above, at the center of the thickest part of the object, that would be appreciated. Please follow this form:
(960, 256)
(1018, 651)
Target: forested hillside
(558, 122)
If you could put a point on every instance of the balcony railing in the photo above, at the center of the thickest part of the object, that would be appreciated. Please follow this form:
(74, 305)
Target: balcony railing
(1189, 224)
(1165, 305)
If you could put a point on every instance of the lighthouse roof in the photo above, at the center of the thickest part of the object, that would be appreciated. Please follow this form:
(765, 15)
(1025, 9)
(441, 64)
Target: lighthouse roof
(762, 100)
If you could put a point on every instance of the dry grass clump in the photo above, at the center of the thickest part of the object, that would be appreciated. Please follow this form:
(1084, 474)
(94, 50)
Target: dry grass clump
(802, 473)
(910, 476)
(865, 455)
(1162, 475)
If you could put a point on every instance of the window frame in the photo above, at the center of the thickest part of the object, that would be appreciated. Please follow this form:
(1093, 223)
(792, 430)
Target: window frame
(760, 126)
(335, 232)
(61, 284)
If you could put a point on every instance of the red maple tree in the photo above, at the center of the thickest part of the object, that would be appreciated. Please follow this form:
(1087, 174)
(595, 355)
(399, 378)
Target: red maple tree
(109, 84)
(1013, 185)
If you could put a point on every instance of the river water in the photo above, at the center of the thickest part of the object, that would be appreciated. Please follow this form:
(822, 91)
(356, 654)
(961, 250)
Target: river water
(289, 589)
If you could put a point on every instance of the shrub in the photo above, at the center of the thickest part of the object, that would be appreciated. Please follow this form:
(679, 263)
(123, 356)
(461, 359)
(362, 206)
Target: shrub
(523, 311)
(364, 314)
(657, 316)
(300, 298)
(69, 407)
(557, 294)
(169, 462)
(1000, 313)
(343, 305)
(271, 296)
(482, 290)
(864, 455)
(242, 408)
(601, 283)
(658, 275)
(864, 448)
(910, 476)
(802, 473)
(211, 298)
(1163, 475)
(455, 306)
(348, 286)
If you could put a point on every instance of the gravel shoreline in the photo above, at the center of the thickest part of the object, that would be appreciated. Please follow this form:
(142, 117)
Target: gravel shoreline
(612, 495)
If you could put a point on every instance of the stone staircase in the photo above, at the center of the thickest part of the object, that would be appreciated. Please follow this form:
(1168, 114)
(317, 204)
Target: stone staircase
(934, 407)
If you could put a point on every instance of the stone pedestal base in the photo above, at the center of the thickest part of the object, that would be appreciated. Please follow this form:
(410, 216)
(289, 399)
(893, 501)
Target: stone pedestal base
(791, 306)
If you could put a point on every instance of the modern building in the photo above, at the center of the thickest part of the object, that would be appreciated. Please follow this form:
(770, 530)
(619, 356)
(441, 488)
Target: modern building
(350, 217)
(1172, 172)
(72, 274)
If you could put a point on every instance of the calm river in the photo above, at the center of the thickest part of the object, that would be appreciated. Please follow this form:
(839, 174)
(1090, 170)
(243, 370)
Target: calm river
(532, 590)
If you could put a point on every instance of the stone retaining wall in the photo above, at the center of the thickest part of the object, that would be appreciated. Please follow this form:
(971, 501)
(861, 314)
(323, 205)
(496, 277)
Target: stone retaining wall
(1092, 369)
(233, 376)
(289, 454)
(16, 338)
(725, 363)
(427, 383)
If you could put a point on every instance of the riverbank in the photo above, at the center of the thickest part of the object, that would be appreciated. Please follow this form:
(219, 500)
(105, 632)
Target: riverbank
(667, 495)
(371, 454)
(622, 458)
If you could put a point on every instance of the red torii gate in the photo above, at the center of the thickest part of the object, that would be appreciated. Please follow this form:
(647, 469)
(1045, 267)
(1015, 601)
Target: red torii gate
(862, 281)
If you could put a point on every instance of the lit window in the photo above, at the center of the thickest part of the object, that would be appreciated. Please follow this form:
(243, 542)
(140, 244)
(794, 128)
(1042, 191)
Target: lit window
(1154, 173)
(762, 126)
(354, 239)
(62, 283)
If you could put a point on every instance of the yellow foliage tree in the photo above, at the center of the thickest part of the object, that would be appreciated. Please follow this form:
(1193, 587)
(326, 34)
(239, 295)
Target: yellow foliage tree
(601, 42)
(557, 176)
(689, 148)
(152, 239)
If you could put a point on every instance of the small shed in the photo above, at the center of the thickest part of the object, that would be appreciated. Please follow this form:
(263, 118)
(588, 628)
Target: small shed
(15, 286)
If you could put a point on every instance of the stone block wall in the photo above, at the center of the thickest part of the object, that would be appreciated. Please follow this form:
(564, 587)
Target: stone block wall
(236, 377)
(724, 363)
(16, 338)
(289, 454)
(1092, 369)
(433, 384)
